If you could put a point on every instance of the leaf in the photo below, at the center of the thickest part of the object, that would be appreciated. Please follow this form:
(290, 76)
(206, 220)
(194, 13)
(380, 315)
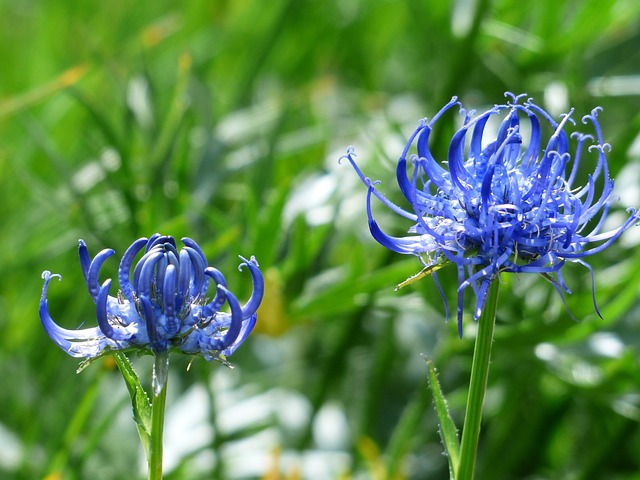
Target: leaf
(109, 352)
(139, 400)
(448, 431)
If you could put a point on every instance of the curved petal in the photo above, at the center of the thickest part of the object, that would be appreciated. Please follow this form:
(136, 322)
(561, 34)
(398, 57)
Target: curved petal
(184, 278)
(212, 307)
(158, 240)
(250, 308)
(124, 271)
(101, 310)
(199, 264)
(152, 241)
(212, 339)
(141, 263)
(94, 270)
(118, 326)
(88, 342)
(85, 258)
(401, 245)
(349, 156)
(422, 132)
(192, 244)
(247, 328)
(236, 321)
(147, 279)
(157, 344)
(169, 302)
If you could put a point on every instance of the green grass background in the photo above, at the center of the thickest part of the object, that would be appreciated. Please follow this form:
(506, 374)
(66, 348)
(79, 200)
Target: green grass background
(224, 121)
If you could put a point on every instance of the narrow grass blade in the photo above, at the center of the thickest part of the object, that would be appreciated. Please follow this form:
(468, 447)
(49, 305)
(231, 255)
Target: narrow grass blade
(448, 431)
(139, 400)
(9, 106)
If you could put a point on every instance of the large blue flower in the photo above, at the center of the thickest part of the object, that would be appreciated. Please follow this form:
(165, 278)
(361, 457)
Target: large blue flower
(162, 306)
(507, 205)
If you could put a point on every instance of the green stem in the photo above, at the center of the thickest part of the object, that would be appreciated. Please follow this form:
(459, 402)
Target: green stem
(157, 427)
(478, 385)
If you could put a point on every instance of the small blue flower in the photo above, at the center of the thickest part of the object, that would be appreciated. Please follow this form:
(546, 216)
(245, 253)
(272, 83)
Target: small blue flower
(506, 205)
(163, 306)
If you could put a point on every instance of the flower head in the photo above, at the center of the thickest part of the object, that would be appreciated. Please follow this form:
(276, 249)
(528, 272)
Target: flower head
(163, 306)
(507, 205)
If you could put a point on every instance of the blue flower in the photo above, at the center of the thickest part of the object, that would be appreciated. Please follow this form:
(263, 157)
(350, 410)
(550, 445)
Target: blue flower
(506, 205)
(161, 307)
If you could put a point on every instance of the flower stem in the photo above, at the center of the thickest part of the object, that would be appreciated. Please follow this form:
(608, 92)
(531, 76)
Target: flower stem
(478, 385)
(157, 428)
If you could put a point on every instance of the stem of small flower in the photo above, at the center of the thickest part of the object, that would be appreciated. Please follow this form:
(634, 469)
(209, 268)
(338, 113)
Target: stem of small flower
(157, 428)
(478, 385)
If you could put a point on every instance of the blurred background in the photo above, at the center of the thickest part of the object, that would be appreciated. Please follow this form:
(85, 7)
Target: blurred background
(224, 121)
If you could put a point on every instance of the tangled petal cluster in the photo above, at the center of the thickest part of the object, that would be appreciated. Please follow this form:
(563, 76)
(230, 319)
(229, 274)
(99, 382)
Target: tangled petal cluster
(162, 306)
(502, 205)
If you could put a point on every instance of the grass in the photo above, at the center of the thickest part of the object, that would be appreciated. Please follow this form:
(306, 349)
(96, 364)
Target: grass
(224, 121)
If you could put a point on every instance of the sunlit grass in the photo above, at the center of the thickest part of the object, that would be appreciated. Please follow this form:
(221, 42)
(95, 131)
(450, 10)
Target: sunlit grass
(224, 121)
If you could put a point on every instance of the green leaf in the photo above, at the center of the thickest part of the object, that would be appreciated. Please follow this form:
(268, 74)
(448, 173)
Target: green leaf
(139, 400)
(448, 431)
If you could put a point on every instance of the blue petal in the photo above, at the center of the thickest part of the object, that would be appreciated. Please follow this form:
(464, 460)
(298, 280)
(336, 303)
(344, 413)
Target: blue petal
(236, 320)
(101, 310)
(247, 328)
(124, 271)
(199, 265)
(250, 308)
(184, 278)
(88, 342)
(400, 245)
(190, 243)
(156, 342)
(172, 324)
(94, 270)
(85, 259)
(160, 241)
(146, 279)
(220, 298)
